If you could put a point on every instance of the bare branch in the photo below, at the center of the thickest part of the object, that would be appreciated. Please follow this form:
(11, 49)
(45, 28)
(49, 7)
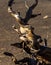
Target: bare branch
(26, 5)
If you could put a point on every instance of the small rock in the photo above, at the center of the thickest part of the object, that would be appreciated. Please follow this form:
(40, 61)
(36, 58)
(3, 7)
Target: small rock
(45, 17)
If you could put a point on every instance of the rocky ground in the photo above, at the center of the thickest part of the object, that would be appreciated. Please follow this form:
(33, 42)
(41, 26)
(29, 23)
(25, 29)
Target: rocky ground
(41, 24)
